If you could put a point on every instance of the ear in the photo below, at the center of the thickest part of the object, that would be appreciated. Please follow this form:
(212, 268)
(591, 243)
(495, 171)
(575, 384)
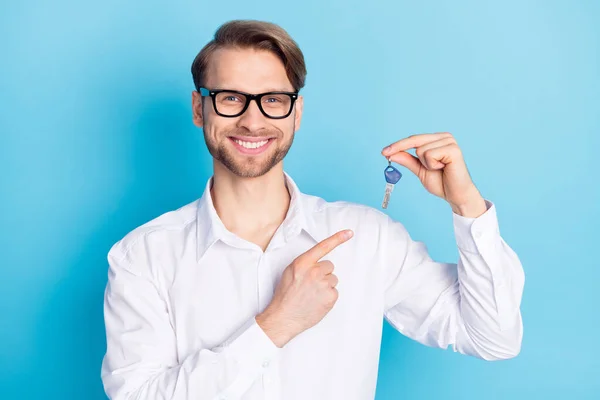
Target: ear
(299, 108)
(197, 114)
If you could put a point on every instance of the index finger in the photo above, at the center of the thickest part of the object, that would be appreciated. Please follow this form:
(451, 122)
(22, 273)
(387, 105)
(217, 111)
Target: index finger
(414, 141)
(325, 246)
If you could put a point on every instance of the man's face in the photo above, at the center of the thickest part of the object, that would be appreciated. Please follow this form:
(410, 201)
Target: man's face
(250, 71)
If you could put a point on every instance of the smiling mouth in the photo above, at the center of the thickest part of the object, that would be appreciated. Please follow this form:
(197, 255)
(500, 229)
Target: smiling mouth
(251, 143)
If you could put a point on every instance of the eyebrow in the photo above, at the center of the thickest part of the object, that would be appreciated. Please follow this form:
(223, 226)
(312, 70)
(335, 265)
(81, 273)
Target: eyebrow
(278, 90)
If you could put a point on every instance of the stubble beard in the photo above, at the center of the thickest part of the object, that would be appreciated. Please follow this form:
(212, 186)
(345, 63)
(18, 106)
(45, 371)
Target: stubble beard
(248, 166)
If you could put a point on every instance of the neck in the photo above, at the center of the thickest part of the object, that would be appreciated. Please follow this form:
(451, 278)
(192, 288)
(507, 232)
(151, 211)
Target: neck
(252, 208)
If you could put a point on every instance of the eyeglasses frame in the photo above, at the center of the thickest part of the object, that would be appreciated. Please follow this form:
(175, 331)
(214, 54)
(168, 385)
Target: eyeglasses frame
(249, 97)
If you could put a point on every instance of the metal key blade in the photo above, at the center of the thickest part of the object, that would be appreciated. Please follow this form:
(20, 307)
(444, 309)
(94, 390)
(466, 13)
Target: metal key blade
(389, 187)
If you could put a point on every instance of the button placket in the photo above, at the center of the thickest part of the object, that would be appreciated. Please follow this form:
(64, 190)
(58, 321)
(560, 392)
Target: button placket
(265, 280)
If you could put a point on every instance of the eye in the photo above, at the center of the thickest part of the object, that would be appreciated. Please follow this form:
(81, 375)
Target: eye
(272, 99)
(231, 97)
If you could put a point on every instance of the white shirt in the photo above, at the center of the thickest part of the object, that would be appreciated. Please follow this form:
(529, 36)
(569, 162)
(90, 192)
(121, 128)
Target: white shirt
(183, 292)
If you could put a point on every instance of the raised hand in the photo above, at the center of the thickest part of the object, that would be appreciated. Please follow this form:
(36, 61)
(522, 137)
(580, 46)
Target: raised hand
(441, 168)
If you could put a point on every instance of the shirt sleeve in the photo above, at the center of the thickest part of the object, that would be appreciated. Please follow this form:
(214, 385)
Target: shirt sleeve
(473, 305)
(141, 359)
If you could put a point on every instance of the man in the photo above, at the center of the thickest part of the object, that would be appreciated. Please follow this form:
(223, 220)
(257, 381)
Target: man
(258, 291)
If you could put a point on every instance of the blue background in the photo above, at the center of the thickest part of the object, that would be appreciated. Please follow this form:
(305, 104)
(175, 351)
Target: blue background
(97, 138)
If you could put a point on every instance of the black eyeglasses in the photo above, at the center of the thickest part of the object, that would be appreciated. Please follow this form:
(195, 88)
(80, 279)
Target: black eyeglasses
(232, 103)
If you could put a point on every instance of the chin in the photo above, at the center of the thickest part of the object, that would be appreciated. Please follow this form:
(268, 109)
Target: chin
(250, 171)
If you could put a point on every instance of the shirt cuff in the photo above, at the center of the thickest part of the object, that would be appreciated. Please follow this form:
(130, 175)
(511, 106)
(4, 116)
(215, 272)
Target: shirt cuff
(253, 351)
(469, 231)
(251, 347)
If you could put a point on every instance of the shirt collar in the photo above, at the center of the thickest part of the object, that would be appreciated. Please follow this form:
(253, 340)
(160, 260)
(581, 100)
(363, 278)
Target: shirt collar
(210, 228)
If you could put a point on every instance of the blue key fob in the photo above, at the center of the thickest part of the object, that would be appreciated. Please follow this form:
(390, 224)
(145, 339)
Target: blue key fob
(392, 175)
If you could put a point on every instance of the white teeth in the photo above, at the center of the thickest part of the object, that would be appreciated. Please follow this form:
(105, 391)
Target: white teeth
(251, 145)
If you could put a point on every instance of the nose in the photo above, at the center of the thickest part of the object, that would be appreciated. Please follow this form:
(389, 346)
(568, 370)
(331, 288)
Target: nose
(252, 119)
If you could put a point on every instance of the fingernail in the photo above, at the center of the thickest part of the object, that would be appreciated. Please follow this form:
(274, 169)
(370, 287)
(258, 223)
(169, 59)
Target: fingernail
(349, 234)
(387, 149)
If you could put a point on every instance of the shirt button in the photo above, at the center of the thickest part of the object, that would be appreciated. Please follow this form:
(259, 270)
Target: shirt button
(266, 363)
(478, 234)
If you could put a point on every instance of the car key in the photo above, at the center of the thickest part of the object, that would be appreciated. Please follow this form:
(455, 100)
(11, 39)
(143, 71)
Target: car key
(392, 176)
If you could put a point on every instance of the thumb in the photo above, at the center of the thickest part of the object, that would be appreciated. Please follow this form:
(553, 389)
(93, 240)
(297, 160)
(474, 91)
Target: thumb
(407, 160)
